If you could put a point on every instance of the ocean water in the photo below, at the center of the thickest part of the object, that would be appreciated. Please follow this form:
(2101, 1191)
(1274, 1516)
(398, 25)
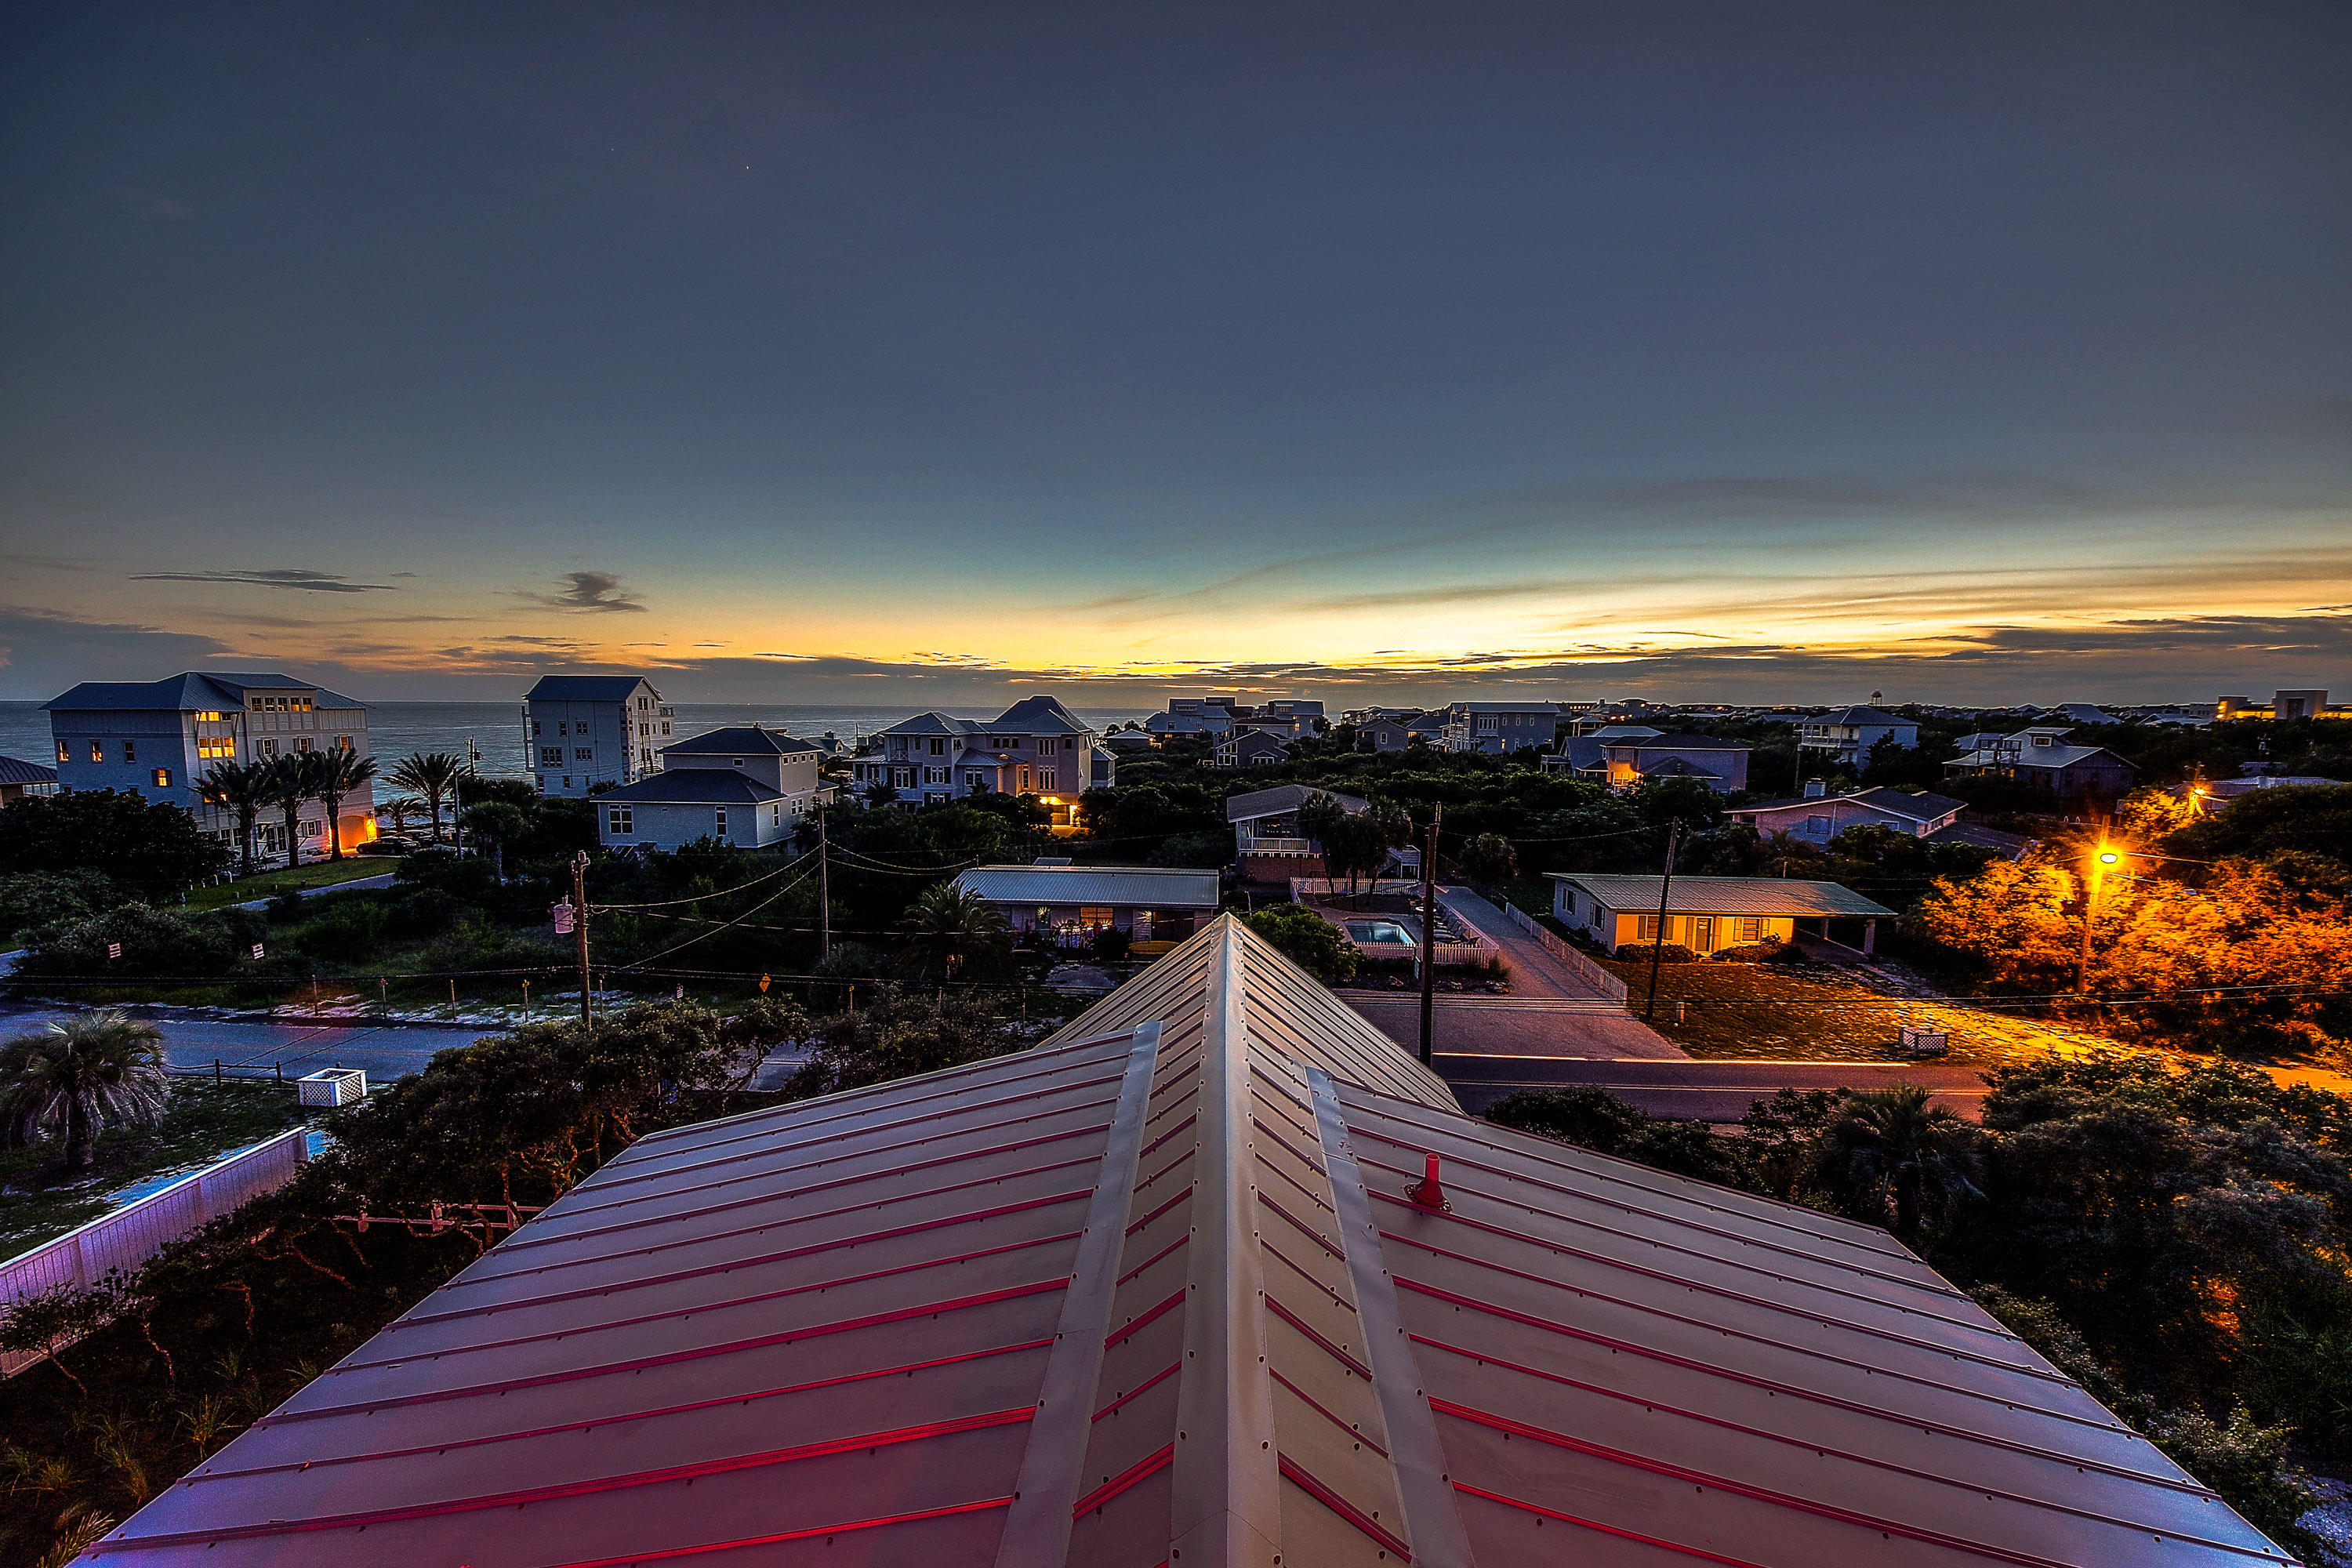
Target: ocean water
(494, 728)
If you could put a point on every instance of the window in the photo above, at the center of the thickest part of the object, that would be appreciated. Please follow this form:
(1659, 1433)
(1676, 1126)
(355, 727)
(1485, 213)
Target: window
(1817, 824)
(1646, 929)
(1049, 743)
(718, 820)
(583, 754)
(1096, 915)
(775, 817)
(1025, 786)
(975, 778)
(939, 748)
(215, 746)
(534, 729)
(550, 756)
(1748, 928)
(936, 776)
(644, 703)
(344, 744)
(1486, 724)
(1045, 777)
(902, 778)
(65, 752)
(620, 819)
(210, 716)
(301, 742)
(163, 778)
(129, 751)
(269, 748)
(563, 729)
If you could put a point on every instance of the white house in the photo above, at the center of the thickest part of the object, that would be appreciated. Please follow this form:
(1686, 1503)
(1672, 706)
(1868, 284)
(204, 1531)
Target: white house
(583, 730)
(1034, 747)
(1706, 913)
(1848, 734)
(1817, 819)
(157, 739)
(1149, 903)
(745, 785)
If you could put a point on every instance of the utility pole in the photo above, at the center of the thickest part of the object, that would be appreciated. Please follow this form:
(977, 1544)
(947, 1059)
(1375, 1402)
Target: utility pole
(1658, 944)
(823, 890)
(1429, 930)
(580, 926)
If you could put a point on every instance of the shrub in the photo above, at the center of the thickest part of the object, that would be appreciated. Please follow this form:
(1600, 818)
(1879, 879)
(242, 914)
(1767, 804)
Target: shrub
(350, 929)
(33, 899)
(1666, 952)
(1767, 951)
(1197, 851)
(153, 942)
(1307, 940)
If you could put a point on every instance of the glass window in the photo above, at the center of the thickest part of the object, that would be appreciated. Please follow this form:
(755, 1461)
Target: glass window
(129, 751)
(1748, 928)
(718, 824)
(1647, 929)
(620, 819)
(1095, 915)
(550, 756)
(583, 754)
(98, 751)
(163, 778)
(65, 752)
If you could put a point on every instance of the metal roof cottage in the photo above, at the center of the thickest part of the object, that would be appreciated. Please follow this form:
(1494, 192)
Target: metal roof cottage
(1173, 1289)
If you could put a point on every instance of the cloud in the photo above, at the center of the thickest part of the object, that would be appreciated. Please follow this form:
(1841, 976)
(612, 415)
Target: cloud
(44, 652)
(275, 577)
(588, 591)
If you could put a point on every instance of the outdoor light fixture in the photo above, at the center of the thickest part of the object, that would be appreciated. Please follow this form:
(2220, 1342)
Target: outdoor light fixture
(2109, 857)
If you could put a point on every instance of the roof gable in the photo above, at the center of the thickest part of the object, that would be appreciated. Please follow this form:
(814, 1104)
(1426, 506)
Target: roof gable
(1157, 1291)
(189, 691)
(1039, 715)
(586, 689)
(740, 739)
(1285, 797)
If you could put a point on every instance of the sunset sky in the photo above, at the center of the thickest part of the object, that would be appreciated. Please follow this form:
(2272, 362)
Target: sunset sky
(896, 353)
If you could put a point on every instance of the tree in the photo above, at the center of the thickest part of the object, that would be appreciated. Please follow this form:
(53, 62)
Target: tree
(287, 782)
(1307, 940)
(400, 808)
(79, 1077)
(238, 787)
(947, 922)
(879, 794)
(432, 775)
(1488, 860)
(1891, 1152)
(1318, 817)
(339, 773)
(115, 832)
(498, 823)
(1355, 848)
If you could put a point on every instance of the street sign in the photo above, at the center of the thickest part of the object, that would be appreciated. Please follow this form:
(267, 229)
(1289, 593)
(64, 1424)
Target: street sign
(561, 914)
(114, 950)
(256, 953)
(763, 984)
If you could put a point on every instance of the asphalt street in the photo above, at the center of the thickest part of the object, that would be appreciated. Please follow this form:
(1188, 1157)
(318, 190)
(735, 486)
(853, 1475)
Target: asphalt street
(386, 1051)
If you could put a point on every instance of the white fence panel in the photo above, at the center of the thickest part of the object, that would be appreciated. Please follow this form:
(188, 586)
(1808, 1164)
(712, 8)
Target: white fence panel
(119, 1242)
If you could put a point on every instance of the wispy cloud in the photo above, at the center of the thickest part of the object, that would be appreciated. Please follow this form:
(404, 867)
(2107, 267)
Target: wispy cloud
(274, 577)
(588, 591)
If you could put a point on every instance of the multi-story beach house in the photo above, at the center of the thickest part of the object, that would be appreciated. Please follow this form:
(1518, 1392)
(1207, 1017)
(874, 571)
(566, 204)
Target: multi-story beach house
(157, 739)
(583, 730)
(1034, 747)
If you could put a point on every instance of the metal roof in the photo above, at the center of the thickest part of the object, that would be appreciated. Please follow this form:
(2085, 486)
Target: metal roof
(1039, 715)
(190, 691)
(586, 689)
(15, 771)
(1912, 806)
(1684, 742)
(740, 739)
(1285, 797)
(1858, 716)
(1155, 1292)
(1723, 895)
(1144, 886)
(694, 786)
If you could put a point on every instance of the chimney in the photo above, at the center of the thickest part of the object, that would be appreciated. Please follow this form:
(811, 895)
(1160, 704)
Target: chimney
(1816, 788)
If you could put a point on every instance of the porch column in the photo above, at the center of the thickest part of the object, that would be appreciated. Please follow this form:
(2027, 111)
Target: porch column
(1869, 936)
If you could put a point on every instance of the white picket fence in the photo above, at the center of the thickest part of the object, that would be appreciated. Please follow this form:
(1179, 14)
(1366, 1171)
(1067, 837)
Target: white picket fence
(119, 1242)
(1583, 968)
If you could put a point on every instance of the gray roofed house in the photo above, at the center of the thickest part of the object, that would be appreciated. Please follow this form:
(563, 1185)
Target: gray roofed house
(743, 784)
(588, 733)
(1817, 819)
(1249, 749)
(750, 738)
(1848, 733)
(1148, 902)
(1721, 764)
(19, 779)
(2040, 758)
(1706, 913)
(1283, 800)
(1585, 757)
(1170, 1287)
(1035, 747)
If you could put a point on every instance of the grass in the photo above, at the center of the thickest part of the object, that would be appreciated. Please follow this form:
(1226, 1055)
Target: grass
(1789, 1012)
(318, 874)
(202, 1121)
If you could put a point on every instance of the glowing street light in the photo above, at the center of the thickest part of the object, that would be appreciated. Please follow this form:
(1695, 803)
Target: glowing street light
(2101, 858)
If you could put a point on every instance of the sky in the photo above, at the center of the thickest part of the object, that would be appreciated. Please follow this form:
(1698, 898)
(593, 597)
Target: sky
(881, 353)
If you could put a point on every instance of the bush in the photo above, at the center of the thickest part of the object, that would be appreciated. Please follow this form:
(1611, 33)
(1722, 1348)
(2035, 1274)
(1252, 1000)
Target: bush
(1196, 851)
(421, 911)
(1665, 953)
(154, 942)
(1759, 953)
(32, 898)
(1307, 940)
(115, 832)
(349, 929)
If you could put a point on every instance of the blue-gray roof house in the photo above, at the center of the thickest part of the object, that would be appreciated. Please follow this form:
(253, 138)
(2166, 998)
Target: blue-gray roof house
(745, 785)
(158, 738)
(583, 732)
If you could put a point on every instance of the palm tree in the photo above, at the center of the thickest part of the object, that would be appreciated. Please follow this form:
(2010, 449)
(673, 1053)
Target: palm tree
(501, 824)
(1890, 1150)
(339, 773)
(287, 783)
(79, 1077)
(432, 775)
(240, 787)
(946, 920)
(400, 808)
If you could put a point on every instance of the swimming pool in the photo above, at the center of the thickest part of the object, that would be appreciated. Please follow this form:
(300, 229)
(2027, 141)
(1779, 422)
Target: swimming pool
(1380, 933)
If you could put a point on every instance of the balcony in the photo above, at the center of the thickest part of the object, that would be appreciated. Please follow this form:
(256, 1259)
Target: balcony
(1250, 845)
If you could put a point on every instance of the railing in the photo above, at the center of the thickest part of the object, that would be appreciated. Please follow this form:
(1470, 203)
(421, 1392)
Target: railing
(1583, 968)
(119, 1242)
(1254, 846)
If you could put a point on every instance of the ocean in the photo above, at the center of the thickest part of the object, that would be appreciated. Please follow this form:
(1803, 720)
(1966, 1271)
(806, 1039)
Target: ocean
(494, 728)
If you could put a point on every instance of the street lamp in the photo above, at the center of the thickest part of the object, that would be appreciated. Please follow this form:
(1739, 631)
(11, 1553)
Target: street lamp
(2101, 860)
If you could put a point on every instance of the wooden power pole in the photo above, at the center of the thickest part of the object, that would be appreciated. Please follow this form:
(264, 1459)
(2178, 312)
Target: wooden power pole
(580, 925)
(1429, 931)
(1658, 942)
(823, 890)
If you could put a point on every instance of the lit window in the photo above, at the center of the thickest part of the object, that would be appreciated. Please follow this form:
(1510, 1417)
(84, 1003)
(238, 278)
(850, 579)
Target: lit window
(65, 752)
(1648, 928)
(163, 778)
(1747, 929)
(344, 744)
(301, 742)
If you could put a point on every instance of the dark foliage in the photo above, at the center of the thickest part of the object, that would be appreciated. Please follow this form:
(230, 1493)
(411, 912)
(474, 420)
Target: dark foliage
(118, 835)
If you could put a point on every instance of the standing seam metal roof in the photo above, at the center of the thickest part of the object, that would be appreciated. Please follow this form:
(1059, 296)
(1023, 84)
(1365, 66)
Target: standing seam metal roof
(1723, 895)
(1154, 1293)
(1150, 887)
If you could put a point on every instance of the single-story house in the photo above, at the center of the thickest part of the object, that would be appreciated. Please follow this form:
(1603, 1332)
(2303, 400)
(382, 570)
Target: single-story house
(1250, 749)
(2039, 758)
(1149, 903)
(1848, 733)
(2215, 794)
(1602, 729)
(1126, 743)
(1265, 827)
(19, 779)
(1817, 819)
(1705, 913)
(1722, 766)
(745, 785)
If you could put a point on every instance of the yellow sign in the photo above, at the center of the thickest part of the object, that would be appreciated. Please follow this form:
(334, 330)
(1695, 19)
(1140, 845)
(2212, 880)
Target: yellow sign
(764, 983)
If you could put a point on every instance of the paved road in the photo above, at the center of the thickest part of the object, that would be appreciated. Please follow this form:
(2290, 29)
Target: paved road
(385, 1051)
(1699, 1090)
(1512, 1025)
(385, 880)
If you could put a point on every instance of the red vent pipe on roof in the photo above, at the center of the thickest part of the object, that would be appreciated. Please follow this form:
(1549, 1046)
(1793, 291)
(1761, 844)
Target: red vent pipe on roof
(1426, 1192)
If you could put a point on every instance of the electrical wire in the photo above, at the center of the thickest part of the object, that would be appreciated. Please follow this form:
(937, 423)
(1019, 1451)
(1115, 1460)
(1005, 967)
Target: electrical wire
(698, 898)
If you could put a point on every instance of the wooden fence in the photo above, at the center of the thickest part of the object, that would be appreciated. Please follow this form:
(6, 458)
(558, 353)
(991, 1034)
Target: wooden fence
(1583, 968)
(119, 1242)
